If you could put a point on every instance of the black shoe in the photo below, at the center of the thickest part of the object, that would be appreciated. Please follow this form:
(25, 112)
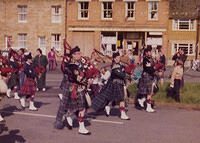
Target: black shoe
(58, 125)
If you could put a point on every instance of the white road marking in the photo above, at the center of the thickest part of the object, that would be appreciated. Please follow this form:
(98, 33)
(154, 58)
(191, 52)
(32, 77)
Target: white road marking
(51, 116)
(104, 121)
(54, 80)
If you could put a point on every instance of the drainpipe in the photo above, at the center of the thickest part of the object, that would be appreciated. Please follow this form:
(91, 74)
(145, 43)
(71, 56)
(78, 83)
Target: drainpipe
(65, 22)
(197, 38)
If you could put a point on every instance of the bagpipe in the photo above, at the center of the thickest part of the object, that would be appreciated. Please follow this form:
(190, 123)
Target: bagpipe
(89, 69)
(159, 66)
(3, 60)
(102, 56)
(5, 71)
(3, 88)
(39, 69)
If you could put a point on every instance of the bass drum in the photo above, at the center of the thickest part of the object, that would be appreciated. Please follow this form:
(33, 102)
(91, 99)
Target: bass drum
(3, 87)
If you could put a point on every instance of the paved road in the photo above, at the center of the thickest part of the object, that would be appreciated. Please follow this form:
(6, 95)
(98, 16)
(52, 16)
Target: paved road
(167, 125)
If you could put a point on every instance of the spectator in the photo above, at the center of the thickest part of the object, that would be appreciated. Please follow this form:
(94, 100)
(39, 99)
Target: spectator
(181, 56)
(161, 59)
(52, 59)
(40, 62)
(175, 82)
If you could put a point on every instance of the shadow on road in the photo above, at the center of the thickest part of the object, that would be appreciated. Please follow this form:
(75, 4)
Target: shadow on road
(7, 110)
(12, 137)
(40, 104)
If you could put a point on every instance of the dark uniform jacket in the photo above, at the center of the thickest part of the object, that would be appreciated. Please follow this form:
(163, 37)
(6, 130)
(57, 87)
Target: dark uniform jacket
(75, 73)
(42, 62)
(29, 71)
(148, 66)
(118, 73)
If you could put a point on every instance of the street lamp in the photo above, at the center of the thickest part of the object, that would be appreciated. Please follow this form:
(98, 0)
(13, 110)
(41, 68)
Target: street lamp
(197, 40)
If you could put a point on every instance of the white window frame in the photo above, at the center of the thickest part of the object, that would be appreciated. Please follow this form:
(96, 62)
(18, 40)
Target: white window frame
(56, 16)
(82, 10)
(188, 43)
(150, 10)
(22, 14)
(55, 42)
(102, 10)
(176, 25)
(126, 10)
(42, 44)
(22, 40)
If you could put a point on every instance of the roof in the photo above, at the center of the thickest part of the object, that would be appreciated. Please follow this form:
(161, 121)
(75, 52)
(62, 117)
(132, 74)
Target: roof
(183, 9)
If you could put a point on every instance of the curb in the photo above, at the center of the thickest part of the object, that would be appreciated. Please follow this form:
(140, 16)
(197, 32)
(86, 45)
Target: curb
(189, 107)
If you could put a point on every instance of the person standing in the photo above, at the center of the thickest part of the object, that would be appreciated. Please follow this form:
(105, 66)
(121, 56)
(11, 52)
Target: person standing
(21, 62)
(40, 63)
(180, 55)
(175, 82)
(161, 60)
(52, 59)
(28, 89)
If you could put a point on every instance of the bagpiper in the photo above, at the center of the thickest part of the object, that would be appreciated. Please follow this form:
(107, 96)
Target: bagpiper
(3, 91)
(13, 80)
(28, 89)
(147, 83)
(75, 101)
(113, 91)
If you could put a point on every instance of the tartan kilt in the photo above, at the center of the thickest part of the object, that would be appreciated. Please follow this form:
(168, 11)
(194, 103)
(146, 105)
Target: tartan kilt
(65, 82)
(145, 85)
(94, 90)
(78, 104)
(65, 85)
(13, 81)
(29, 87)
(112, 91)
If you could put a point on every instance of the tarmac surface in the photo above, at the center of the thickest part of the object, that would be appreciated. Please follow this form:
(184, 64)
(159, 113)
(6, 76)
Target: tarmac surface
(167, 125)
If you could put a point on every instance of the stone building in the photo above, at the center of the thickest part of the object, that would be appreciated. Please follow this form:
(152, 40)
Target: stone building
(111, 25)
(32, 24)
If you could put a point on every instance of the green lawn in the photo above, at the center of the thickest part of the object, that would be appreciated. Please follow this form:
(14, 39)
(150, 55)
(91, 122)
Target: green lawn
(190, 94)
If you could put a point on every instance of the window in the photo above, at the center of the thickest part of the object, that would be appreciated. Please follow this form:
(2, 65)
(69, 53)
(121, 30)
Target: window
(182, 25)
(56, 41)
(107, 10)
(22, 41)
(8, 43)
(56, 14)
(22, 14)
(153, 10)
(42, 44)
(83, 10)
(187, 47)
(130, 10)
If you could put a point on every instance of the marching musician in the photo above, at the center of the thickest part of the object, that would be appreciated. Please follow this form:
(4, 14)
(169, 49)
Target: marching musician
(75, 99)
(145, 85)
(113, 91)
(13, 81)
(40, 63)
(3, 90)
(28, 89)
